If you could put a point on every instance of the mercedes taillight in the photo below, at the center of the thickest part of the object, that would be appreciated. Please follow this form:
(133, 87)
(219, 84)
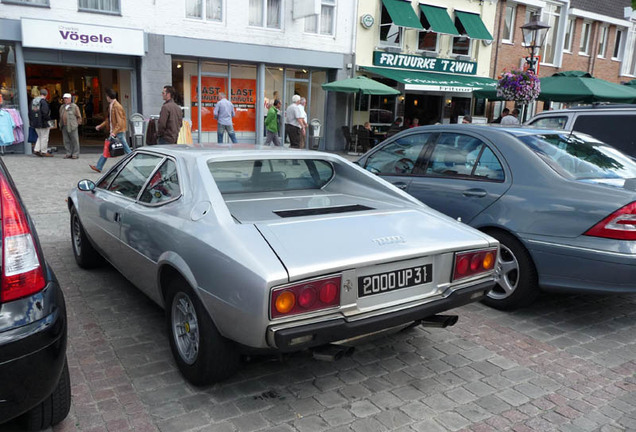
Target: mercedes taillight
(22, 272)
(620, 225)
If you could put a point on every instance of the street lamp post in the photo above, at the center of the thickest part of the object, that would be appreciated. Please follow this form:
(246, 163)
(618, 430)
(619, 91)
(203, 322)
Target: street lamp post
(534, 34)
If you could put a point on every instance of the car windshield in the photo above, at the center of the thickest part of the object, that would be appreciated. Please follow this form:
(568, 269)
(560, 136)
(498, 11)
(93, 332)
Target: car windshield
(580, 157)
(265, 175)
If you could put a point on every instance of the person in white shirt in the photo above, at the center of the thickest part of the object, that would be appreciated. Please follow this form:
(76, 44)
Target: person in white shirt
(294, 123)
(512, 118)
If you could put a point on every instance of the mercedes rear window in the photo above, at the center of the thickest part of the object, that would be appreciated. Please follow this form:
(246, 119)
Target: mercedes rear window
(580, 157)
(267, 175)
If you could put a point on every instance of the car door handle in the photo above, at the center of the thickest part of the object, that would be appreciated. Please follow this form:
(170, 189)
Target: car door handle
(479, 193)
(400, 185)
(117, 217)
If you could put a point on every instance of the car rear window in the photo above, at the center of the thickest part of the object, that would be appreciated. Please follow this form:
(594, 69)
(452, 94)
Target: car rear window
(266, 175)
(581, 157)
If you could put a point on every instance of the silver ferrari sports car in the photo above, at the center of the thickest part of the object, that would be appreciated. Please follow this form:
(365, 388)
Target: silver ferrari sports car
(271, 250)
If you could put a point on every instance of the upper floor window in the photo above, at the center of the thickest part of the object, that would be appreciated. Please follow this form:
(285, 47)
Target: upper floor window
(427, 40)
(552, 16)
(508, 31)
(461, 43)
(390, 33)
(569, 33)
(265, 13)
(28, 2)
(602, 41)
(584, 45)
(209, 10)
(618, 44)
(111, 6)
(325, 22)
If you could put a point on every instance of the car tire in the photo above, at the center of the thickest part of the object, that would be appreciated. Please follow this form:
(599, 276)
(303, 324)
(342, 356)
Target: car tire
(202, 354)
(517, 284)
(85, 254)
(54, 408)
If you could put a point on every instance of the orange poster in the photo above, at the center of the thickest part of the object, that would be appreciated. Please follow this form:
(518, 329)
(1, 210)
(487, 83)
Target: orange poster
(243, 97)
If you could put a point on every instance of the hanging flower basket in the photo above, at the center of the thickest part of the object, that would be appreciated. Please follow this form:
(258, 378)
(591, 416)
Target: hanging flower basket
(519, 86)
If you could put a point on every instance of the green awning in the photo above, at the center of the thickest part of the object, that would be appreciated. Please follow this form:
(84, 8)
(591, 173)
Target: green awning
(430, 81)
(402, 14)
(439, 20)
(474, 26)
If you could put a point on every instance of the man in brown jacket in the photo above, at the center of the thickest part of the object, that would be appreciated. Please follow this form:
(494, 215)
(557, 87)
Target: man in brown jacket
(116, 120)
(170, 118)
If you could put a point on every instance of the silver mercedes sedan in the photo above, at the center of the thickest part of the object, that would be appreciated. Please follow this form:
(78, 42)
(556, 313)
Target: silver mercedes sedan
(273, 250)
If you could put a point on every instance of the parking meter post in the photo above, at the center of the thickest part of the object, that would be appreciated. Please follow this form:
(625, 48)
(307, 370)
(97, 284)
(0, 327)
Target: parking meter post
(137, 130)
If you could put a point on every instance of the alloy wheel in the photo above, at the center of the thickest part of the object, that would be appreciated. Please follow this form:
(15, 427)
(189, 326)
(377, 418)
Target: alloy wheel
(185, 328)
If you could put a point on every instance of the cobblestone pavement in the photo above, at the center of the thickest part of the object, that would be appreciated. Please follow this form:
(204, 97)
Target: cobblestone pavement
(568, 363)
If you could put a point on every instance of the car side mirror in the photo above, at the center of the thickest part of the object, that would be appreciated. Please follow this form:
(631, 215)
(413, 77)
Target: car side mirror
(86, 185)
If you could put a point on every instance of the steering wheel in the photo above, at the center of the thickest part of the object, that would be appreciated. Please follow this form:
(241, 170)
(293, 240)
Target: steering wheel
(403, 166)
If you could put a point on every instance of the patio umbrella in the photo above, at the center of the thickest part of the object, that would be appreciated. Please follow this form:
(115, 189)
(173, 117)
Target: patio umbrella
(360, 85)
(631, 83)
(579, 86)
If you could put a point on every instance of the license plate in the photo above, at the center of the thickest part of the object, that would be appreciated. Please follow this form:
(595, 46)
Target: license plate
(394, 280)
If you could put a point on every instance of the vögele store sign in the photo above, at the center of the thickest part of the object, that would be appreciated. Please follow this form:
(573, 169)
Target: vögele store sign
(62, 35)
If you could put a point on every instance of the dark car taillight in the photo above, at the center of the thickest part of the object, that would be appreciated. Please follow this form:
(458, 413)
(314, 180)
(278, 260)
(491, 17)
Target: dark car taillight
(22, 273)
(620, 225)
(468, 264)
(305, 297)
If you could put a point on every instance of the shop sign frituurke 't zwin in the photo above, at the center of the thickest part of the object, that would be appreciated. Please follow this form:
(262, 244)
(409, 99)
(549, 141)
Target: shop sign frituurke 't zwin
(421, 63)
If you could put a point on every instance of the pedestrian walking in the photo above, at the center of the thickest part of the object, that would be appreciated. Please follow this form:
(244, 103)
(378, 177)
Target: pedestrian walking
(504, 113)
(39, 116)
(70, 120)
(116, 121)
(293, 125)
(170, 118)
(223, 113)
(271, 124)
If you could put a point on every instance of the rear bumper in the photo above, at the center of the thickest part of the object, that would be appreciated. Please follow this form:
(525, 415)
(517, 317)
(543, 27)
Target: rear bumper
(322, 333)
(33, 337)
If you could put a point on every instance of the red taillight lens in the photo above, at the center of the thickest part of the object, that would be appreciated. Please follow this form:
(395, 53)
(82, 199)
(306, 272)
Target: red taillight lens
(22, 274)
(620, 225)
(472, 263)
(305, 297)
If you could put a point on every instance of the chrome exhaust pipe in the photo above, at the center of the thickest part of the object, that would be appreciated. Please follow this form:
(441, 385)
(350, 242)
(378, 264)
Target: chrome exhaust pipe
(439, 321)
(332, 352)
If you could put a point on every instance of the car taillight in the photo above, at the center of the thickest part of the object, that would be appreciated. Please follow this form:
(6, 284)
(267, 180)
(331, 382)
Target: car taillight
(468, 264)
(305, 297)
(620, 225)
(22, 274)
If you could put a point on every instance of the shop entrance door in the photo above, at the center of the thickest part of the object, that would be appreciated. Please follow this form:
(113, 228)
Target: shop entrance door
(87, 86)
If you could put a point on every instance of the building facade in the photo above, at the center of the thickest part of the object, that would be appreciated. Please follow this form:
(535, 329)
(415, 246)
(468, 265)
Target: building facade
(584, 35)
(253, 50)
(435, 52)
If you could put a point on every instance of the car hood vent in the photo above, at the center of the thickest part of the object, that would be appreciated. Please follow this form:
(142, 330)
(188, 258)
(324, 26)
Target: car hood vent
(322, 210)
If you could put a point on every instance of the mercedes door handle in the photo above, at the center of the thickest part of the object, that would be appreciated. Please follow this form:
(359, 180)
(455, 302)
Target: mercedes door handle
(400, 185)
(478, 193)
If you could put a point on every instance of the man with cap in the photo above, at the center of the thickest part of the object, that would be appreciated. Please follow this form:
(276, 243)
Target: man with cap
(70, 119)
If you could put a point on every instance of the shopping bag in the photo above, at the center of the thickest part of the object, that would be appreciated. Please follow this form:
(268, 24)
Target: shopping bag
(33, 135)
(115, 147)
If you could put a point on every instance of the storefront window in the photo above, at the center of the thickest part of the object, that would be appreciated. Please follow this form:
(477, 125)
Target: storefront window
(8, 90)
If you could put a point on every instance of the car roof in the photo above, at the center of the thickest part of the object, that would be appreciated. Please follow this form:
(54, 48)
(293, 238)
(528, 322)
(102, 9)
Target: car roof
(233, 151)
(521, 130)
(594, 107)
